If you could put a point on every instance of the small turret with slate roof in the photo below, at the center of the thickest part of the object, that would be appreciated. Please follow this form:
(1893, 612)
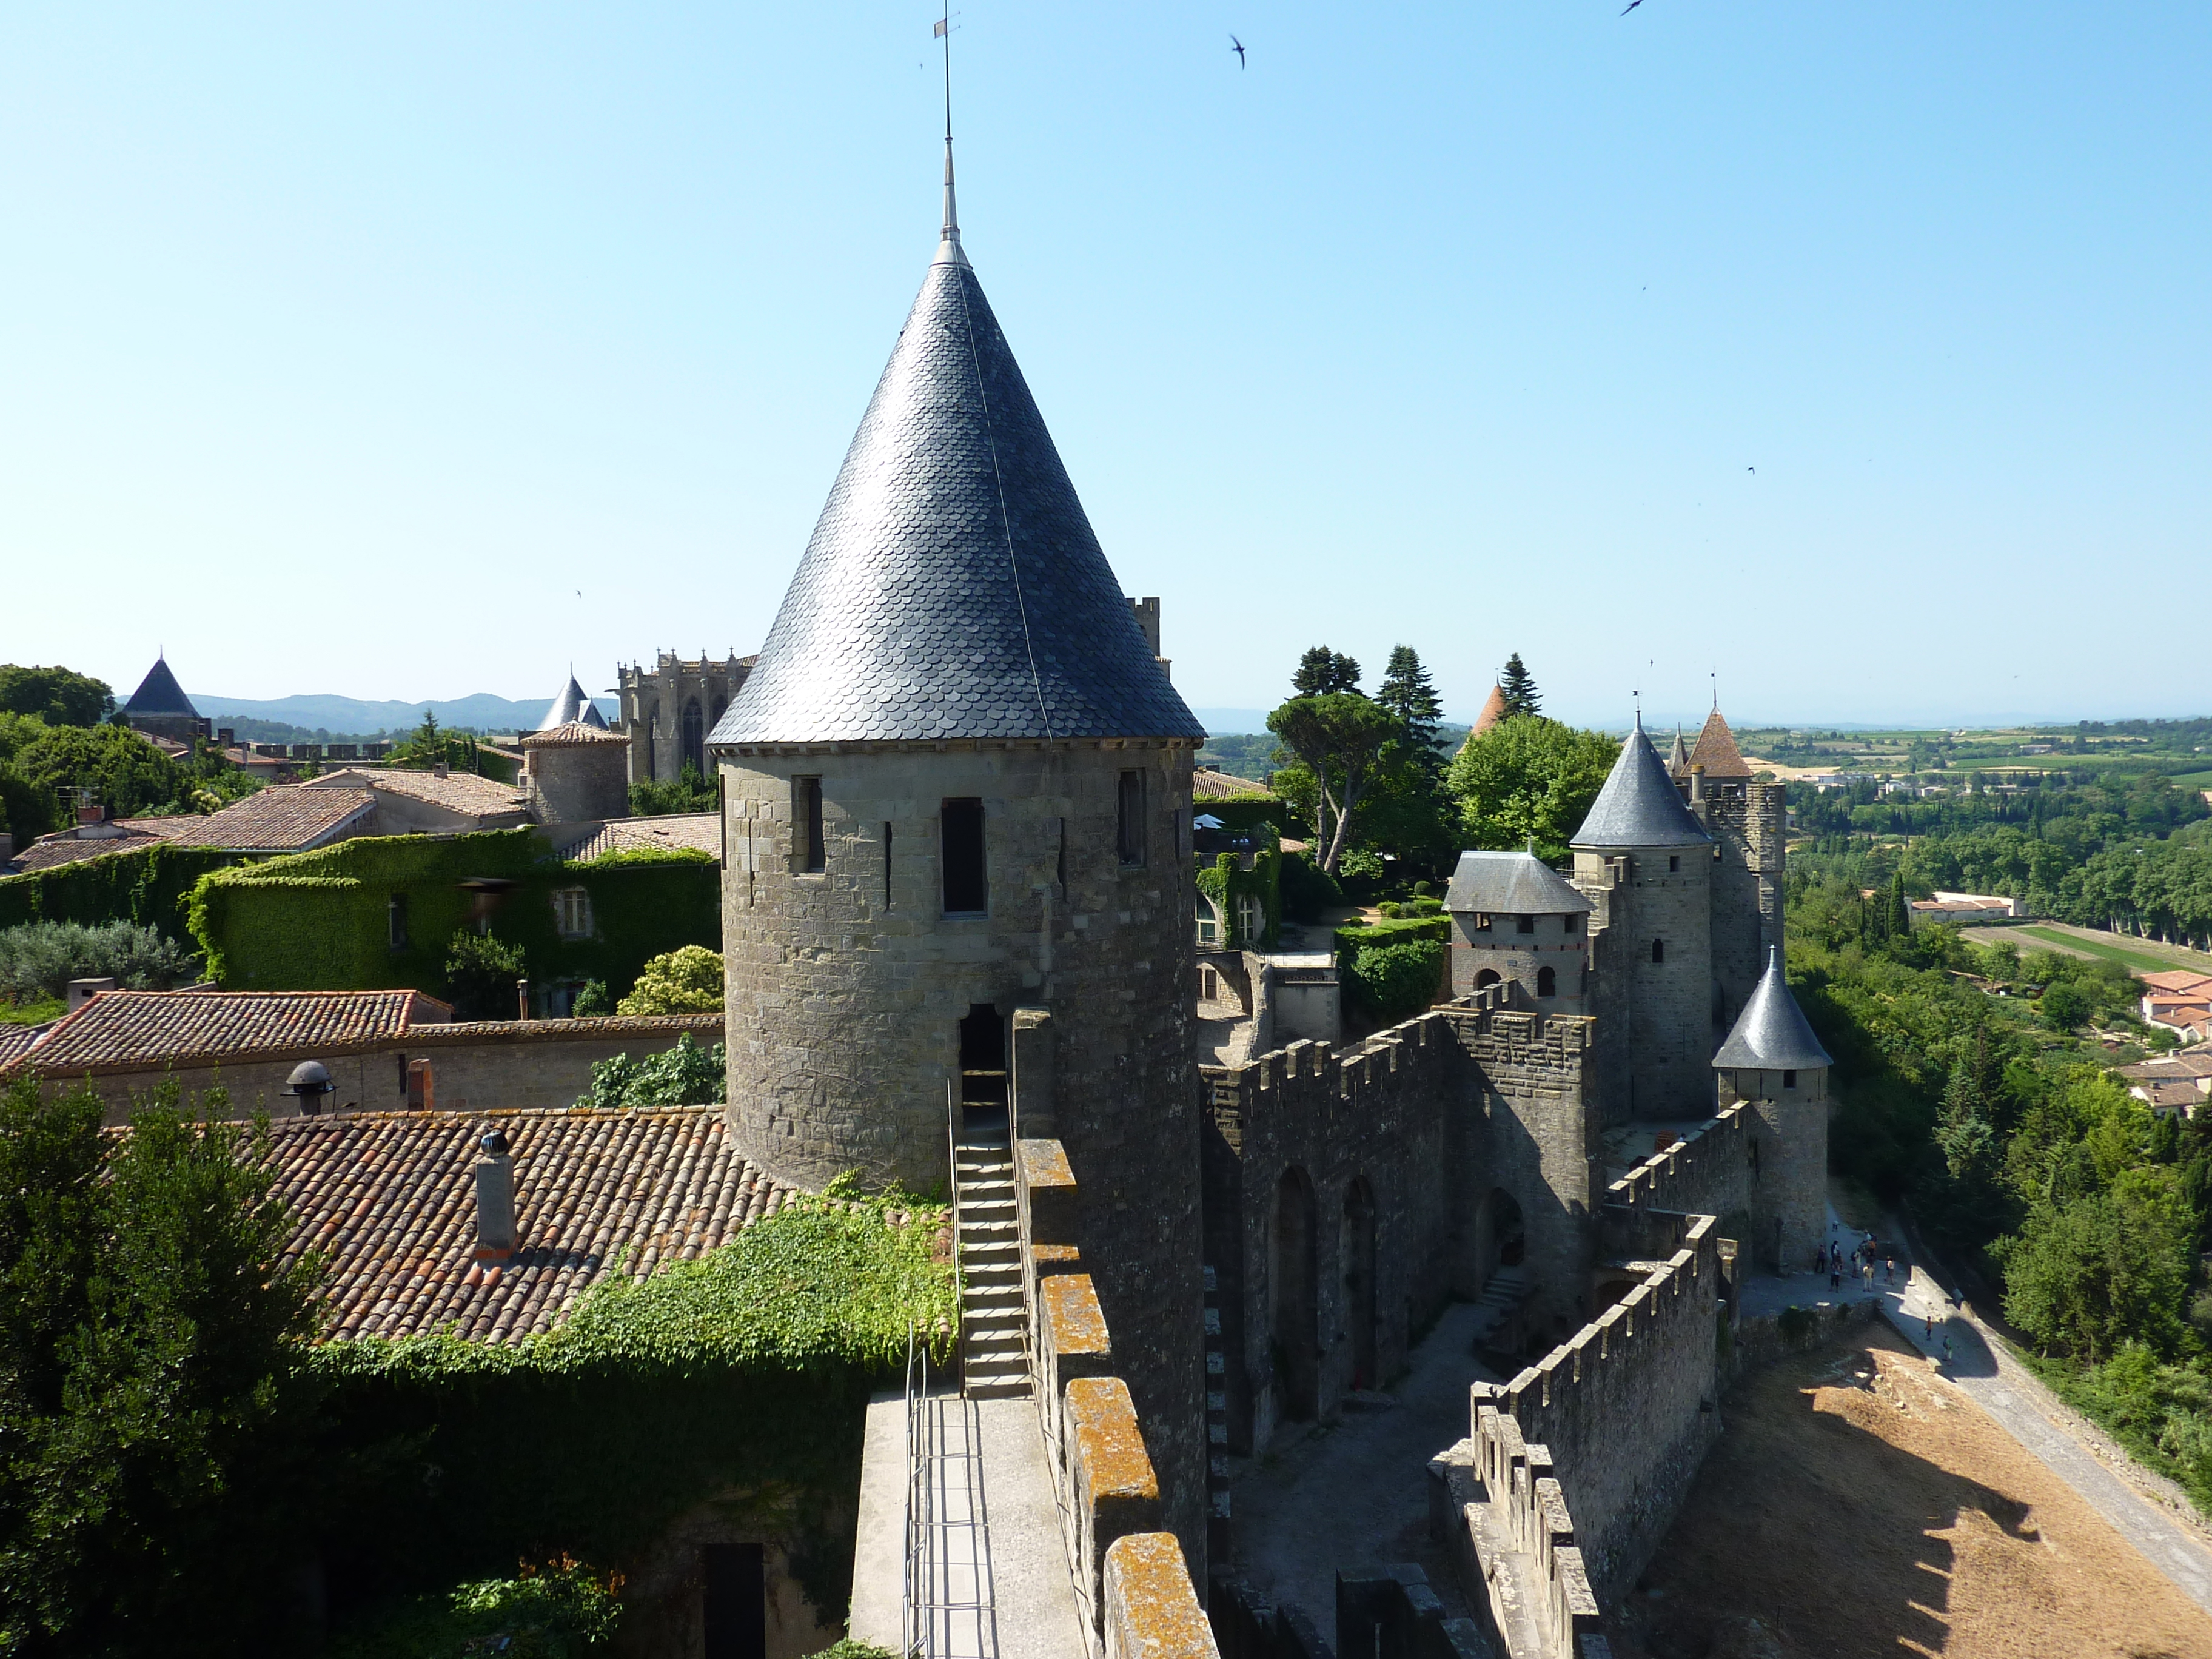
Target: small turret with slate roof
(1774, 1066)
(957, 793)
(1515, 918)
(572, 708)
(160, 709)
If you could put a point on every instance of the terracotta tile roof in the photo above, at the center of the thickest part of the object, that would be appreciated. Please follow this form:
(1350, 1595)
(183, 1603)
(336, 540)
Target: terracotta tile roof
(704, 1028)
(1716, 750)
(2172, 1091)
(49, 851)
(284, 817)
(1225, 785)
(390, 1199)
(16, 1040)
(2197, 1063)
(457, 792)
(697, 831)
(2177, 979)
(571, 731)
(131, 1031)
(1493, 710)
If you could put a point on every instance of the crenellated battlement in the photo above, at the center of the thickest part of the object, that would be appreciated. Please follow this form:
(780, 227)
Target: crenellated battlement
(1704, 1172)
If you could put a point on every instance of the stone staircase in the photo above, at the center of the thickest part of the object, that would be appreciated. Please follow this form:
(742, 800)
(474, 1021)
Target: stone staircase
(994, 1348)
(1499, 1336)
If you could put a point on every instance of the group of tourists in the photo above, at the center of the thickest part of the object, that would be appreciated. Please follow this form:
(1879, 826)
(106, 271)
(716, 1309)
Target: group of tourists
(1860, 1262)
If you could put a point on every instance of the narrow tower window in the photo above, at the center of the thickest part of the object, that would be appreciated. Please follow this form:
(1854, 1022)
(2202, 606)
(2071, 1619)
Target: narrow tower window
(887, 864)
(1658, 950)
(1062, 876)
(395, 919)
(1547, 982)
(1789, 1080)
(967, 888)
(1569, 921)
(810, 854)
(1674, 862)
(1129, 839)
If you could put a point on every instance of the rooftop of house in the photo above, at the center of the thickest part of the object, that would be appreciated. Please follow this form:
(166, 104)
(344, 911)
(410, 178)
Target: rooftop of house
(389, 1199)
(1511, 885)
(1207, 783)
(572, 708)
(953, 587)
(2180, 980)
(67, 848)
(700, 832)
(2194, 1063)
(16, 1040)
(134, 1030)
(2166, 1092)
(457, 791)
(284, 817)
(570, 734)
(1493, 710)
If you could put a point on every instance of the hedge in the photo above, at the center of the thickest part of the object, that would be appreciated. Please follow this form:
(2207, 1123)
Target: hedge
(1356, 937)
(147, 885)
(322, 920)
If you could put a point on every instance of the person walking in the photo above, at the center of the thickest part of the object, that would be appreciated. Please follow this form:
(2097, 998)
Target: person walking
(1928, 1324)
(1946, 1345)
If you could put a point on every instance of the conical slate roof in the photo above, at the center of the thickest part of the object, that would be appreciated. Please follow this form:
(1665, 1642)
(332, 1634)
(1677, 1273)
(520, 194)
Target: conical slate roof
(1717, 751)
(953, 587)
(572, 708)
(1639, 805)
(159, 694)
(1771, 1035)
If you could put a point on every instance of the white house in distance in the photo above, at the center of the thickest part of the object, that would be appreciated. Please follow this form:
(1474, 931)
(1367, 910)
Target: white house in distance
(1963, 909)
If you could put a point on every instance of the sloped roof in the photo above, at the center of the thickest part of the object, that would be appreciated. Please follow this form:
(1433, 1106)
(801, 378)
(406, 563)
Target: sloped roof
(1208, 785)
(1639, 805)
(2177, 979)
(284, 817)
(572, 708)
(1771, 1035)
(1511, 885)
(1678, 759)
(1716, 750)
(65, 848)
(700, 832)
(133, 1030)
(953, 587)
(1493, 710)
(570, 732)
(457, 791)
(390, 1199)
(159, 694)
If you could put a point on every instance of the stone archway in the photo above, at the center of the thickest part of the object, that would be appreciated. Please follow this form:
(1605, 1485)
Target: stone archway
(1500, 1235)
(1359, 1298)
(1485, 979)
(1294, 1296)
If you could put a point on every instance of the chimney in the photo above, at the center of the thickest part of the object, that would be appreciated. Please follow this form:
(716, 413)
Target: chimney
(7, 847)
(81, 991)
(440, 769)
(1696, 784)
(522, 998)
(226, 736)
(90, 813)
(494, 1172)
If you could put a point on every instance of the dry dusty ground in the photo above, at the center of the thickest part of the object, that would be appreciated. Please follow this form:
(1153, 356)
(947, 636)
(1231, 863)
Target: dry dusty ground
(1859, 1505)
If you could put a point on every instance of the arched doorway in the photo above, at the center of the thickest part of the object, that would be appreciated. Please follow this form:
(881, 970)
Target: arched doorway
(983, 1057)
(1293, 1293)
(1359, 1281)
(694, 737)
(1485, 979)
(1501, 1235)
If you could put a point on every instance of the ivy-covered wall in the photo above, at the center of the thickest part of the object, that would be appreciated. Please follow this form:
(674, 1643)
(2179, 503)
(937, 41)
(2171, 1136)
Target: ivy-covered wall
(1224, 881)
(324, 921)
(149, 885)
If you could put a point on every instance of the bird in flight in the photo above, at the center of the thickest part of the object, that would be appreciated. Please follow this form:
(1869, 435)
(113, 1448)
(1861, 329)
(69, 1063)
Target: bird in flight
(1631, 6)
(1237, 46)
(1750, 469)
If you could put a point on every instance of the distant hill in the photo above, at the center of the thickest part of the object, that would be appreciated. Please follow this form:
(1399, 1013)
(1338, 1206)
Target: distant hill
(344, 717)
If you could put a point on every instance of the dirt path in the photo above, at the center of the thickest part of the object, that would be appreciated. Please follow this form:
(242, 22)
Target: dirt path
(1859, 1505)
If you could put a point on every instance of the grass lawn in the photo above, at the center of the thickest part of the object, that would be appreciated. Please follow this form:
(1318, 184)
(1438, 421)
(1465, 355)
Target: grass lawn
(2194, 781)
(2139, 961)
(32, 1014)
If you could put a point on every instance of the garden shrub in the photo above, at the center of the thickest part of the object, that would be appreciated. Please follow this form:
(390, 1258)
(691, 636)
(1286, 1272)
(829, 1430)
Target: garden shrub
(686, 1075)
(39, 958)
(480, 972)
(592, 1001)
(685, 982)
(1396, 981)
(564, 1612)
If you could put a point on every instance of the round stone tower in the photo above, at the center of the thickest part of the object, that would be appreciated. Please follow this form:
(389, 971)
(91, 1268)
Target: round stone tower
(1774, 1063)
(574, 772)
(955, 785)
(1649, 864)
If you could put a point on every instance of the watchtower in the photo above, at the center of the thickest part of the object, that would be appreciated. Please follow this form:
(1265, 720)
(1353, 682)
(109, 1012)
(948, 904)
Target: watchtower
(1772, 1062)
(958, 785)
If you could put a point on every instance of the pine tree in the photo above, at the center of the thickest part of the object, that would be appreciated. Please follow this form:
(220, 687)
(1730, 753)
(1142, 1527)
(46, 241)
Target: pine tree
(1518, 687)
(1407, 692)
(1322, 672)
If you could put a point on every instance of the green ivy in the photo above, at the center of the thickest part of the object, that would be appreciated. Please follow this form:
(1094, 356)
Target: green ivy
(322, 920)
(1224, 881)
(149, 885)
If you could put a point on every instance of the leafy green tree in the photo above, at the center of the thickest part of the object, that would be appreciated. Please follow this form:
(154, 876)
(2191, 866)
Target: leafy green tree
(480, 972)
(1517, 686)
(2087, 1276)
(429, 744)
(687, 792)
(1530, 778)
(150, 1396)
(38, 959)
(123, 771)
(592, 1001)
(686, 1075)
(1396, 981)
(685, 982)
(1339, 736)
(1322, 673)
(2063, 1007)
(55, 695)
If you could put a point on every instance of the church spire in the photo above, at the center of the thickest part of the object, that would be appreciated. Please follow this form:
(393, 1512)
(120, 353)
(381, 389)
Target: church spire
(948, 245)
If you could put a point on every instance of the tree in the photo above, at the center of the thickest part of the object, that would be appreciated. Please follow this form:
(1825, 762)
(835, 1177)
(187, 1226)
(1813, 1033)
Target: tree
(1528, 778)
(430, 745)
(2087, 1275)
(480, 972)
(687, 792)
(2063, 1007)
(56, 696)
(1407, 692)
(123, 771)
(685, 982)
(1324, 673)
(151, 1397)
(1517, 686)
(1339, 736)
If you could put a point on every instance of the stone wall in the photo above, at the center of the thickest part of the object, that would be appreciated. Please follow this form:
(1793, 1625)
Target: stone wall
(1663, 1009)
(1788, 1190)
(1746, 822)
(484, 1065)
(850, 984)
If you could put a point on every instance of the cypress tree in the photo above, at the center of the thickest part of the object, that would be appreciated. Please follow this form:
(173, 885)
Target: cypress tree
(1517, 686)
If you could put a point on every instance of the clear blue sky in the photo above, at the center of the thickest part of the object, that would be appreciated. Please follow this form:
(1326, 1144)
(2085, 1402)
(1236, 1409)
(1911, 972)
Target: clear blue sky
(341, 346)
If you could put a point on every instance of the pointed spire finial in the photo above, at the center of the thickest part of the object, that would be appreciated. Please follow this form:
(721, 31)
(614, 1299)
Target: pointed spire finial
(948, 251)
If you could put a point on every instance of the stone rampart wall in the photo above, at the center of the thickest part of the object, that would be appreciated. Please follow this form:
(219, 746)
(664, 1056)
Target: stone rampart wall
(1707, 1173)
